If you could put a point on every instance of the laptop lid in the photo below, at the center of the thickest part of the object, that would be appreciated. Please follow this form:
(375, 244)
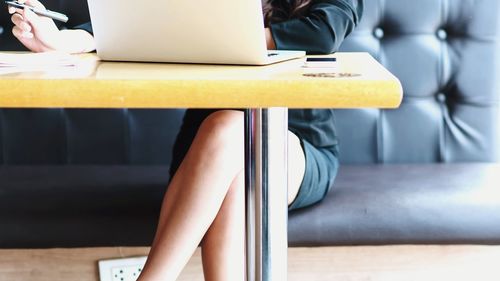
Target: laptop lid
(201, 31)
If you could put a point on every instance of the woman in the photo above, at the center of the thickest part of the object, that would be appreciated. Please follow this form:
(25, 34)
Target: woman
(204, 203)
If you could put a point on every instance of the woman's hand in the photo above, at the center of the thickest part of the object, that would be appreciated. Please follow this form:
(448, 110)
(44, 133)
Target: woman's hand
(40, 34)
(269, 39)
(37, 33)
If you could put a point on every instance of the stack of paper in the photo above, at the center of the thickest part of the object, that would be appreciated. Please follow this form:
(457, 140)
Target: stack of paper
(36, 60)
(11, 62)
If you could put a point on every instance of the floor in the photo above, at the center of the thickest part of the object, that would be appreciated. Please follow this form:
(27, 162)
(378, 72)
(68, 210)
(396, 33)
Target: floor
(377, 263)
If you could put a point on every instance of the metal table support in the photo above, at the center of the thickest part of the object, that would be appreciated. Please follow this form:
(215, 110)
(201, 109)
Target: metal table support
(266, 141)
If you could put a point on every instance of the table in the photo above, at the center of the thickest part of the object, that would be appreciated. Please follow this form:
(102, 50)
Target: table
(266, 92)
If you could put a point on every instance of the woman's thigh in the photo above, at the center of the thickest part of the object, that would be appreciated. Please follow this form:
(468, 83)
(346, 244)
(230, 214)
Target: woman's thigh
(297, 162)
(296, 166)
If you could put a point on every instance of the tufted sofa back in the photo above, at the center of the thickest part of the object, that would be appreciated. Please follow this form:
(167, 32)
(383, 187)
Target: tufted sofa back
(87, 137)
(446, 53)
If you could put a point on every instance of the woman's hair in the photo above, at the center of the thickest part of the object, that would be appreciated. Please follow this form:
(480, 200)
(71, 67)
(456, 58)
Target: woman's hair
(282, 10)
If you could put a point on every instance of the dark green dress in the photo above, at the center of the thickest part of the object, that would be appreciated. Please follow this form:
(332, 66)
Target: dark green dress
(320, 31)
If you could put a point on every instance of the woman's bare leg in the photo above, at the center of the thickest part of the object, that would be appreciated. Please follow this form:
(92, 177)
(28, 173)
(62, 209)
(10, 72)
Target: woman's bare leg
(207, 195)
(223, 246)
(196, 193)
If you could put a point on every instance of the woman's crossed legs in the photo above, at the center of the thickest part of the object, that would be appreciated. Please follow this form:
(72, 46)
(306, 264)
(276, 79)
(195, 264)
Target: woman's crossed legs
(204, 203)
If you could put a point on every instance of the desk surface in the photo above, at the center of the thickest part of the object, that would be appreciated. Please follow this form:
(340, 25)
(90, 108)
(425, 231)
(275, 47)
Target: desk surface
(96, 84)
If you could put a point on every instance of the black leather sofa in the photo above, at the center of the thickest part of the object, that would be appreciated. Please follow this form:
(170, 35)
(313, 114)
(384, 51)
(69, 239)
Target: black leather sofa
(426, 173)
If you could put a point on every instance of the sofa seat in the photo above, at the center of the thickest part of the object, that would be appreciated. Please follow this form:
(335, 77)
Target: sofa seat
(405, 204)
(72, 206)
(78, 206)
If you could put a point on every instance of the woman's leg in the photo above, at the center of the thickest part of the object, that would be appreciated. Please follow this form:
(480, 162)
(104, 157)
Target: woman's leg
(196, 194)
(212, 172)
(223, 246)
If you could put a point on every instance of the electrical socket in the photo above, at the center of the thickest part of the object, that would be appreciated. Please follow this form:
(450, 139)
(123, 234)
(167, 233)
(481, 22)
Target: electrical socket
(126, 269)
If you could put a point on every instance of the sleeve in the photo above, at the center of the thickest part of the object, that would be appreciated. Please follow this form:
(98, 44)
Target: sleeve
(86, 26)
(322, 29)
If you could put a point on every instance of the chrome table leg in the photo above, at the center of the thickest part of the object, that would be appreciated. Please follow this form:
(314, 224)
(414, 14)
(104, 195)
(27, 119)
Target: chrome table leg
(266, 141)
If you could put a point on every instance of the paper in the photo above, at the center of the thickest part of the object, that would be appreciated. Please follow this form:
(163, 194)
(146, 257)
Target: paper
(36, 60)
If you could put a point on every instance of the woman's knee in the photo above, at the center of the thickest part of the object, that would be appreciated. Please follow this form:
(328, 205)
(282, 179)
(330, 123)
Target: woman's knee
(224, 120)
(223, 130)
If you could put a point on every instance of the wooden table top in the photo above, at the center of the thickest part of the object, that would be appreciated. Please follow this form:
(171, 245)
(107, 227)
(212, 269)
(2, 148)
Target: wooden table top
(358, 81)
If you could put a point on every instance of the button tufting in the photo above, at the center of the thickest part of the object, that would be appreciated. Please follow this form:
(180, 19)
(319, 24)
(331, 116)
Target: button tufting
(441, 34)
(441, 97)
(378, 33)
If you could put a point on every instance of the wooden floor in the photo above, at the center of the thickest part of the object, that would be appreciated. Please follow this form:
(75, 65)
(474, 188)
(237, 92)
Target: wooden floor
(382, 263)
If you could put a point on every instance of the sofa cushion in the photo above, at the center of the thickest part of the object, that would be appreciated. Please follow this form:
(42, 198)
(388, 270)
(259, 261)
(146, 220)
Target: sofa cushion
(78, 206)
(405, 204)
(71, 206)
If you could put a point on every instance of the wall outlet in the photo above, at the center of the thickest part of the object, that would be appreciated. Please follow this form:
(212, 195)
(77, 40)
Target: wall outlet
(127, 269)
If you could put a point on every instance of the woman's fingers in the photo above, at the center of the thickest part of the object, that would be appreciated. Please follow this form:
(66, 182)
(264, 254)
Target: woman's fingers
(22, 29)
(13, 10)
(21, 34)
(16, 31)
(18, 20)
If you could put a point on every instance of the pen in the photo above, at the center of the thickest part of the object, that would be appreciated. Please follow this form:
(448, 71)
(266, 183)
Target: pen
(46, 13)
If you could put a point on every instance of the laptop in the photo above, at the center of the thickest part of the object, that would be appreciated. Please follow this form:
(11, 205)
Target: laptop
(183, 31)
